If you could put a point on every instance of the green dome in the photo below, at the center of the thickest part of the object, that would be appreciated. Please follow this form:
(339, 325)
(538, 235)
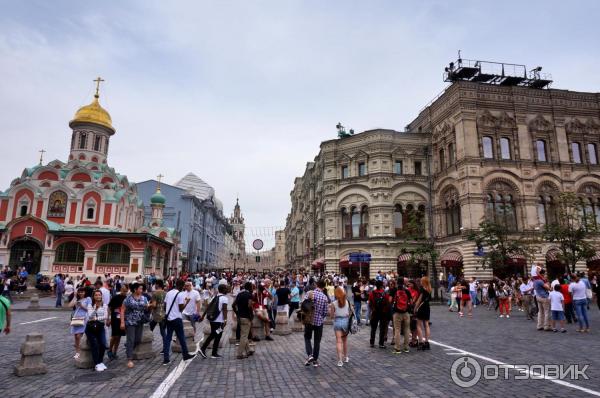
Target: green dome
(158, 198)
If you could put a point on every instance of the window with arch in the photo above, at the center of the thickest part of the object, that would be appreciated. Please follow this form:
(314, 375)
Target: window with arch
(398, 220)
(540, 146)
(113, 253)
(589, 195)
(356, 222)
(70, 252)
(453, 221)
(546, 210)
(451, 154)
(23, 207)
(346, 224)
(576, 151)
(57, 204)
(148, 257)
(505, 148)
(97, 142)
(158, 259)
(592, 153)
(488, 147)
(364, 222)
(500, 206)
(82, 140)
(90, 210)
(442, 163)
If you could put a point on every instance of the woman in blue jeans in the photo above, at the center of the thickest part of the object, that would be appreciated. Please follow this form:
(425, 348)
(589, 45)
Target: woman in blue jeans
(94, 330)
(577, 288)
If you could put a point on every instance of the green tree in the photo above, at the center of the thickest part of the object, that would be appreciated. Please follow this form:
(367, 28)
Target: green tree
(573, 226)
(499, 246)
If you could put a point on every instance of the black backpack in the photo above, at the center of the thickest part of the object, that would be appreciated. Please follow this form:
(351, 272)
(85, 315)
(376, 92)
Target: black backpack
(307, 309)
(213, 310)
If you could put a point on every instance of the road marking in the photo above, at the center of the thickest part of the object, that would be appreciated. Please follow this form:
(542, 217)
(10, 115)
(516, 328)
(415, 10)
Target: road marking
(533, 374)
(39, 320)
(175, 374)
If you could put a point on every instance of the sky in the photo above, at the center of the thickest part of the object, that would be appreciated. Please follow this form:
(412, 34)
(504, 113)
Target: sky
(241, 93)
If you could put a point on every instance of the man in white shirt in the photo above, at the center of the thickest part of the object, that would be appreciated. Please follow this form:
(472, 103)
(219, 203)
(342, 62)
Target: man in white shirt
(191, 312)
(175, 302)
(217, 324)
(473, 291)
(526, 289)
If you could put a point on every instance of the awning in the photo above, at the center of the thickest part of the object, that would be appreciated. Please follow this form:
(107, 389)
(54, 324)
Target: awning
(595, 257)
(354, 264)
(552, 255)
(452, 259)
(316, 265)
(518, 259)
(319, 261)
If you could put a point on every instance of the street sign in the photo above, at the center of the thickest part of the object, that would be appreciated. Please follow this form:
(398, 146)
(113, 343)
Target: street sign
(359, 257)
(257, 244)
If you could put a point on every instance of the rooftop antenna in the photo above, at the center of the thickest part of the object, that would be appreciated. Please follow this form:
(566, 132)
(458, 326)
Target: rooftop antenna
(459, 60)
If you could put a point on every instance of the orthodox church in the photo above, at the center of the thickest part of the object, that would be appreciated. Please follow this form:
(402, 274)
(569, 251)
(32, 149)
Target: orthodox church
(82, 216)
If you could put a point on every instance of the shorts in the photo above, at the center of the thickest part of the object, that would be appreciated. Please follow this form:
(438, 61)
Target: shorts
(115, 327)
(558, 315)
(466, 297)
(340, 324)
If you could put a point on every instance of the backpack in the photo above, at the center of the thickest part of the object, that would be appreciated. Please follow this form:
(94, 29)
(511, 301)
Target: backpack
(307, 309)
(402, 301)
(213, 311)
(380, 301)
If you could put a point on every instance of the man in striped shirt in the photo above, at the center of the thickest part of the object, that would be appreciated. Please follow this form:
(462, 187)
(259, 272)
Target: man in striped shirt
(320, 304)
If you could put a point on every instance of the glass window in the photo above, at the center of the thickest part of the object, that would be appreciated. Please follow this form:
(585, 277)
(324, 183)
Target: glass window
(345, 172)
(488, 148)
(398, 167)
(82, 140)
(70, 252)
(97, 141)
(505, 148)
(541, 150)
(362, 169)
(346, 224)
(576, 149)
(398, 220)
(442, 160)
(418, 170)
(23, 211)
(355, 223)
(364, 222)
(113, 253)
(592, 153)
(451, 155)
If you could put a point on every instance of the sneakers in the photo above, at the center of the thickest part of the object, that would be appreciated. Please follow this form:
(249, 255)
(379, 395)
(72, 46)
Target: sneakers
(397, 351)
(555, 330)
(406, 350)
(316, 364)
(508, 316)
(166, 362)
(340, 364)
(241, 357)
(215, 356)
(269, 338)
(100, 367)
(382, 346)
(346, 359)
(188, 357)
(501, 316)
(309, 360)
(110, 355)
(76, 356)
(563, 330)
(202, 353)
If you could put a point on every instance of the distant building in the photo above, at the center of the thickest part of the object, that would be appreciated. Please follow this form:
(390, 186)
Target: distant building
(280, 259)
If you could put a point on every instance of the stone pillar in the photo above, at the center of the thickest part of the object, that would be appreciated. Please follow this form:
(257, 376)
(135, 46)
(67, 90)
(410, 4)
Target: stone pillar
(32, 361)
(144, 349)
(233, 321)
(282, 326)
(297, 326)
(85, 360)
(35, 301)
(188, 332)
(258, 328)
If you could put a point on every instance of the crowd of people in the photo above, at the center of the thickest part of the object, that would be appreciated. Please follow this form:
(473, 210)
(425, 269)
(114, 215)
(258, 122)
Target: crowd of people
(110, 304)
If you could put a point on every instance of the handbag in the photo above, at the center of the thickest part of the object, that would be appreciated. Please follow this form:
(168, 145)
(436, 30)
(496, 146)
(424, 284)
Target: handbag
(352, 324)
(77, 321)
(588, 294)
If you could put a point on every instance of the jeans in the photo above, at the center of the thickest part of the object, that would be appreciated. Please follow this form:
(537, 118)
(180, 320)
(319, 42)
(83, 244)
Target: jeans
(313, 350)
(244, 347)
(382, 322)
(570, 312)
(543, 321)
(493, 303)
(214, 326)
(134, 337)
(581, 310)
(368, 314)
(474, 298)
(97, 344)
(161, 325)
(176, 325)
(401, 323)
(527, 301)
(58, 299)
(357, 309)
(294, 305)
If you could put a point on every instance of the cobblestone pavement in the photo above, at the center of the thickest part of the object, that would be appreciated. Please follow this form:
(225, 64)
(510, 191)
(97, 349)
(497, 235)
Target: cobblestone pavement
(277, 368)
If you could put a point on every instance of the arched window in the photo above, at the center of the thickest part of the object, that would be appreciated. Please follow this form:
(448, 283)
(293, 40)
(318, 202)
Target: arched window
(97, 142)
(420, 219)
(356, 218)
(592, 153)
(82, 140)
(590, 197)
(546, 210)
(540, 146)
(346, 224)
(57, 204)
(442, 160)
(113, 253)
(451, 154)
(505, 148)
(70, 252)
(24, 208)
(364, 222)
(576, 151)
(158, 259)
(488, 147)
(500, 206)
(90, 210)
(398, 220)
(453, 221)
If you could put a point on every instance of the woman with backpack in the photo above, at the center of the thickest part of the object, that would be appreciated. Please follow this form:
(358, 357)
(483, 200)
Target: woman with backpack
(340, 310)
(422, 313)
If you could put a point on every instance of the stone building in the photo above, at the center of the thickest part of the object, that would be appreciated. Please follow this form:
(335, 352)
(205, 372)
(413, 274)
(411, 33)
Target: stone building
(490, 146)
(280, 259)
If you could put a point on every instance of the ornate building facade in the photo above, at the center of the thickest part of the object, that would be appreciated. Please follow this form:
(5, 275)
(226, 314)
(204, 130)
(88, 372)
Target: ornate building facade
(82, 216)
(479, 151)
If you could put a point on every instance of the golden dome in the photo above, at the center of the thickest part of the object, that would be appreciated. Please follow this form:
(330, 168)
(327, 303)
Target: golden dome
(93, 113)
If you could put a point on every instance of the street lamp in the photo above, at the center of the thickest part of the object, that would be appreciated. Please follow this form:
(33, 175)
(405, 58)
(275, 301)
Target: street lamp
(234, 258)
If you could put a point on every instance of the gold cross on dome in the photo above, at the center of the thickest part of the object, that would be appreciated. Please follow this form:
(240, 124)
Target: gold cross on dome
(42, 152)
(98, 80)
(159, 177)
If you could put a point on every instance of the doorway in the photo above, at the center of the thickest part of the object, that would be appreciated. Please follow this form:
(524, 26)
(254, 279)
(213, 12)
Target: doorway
(26, 253)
